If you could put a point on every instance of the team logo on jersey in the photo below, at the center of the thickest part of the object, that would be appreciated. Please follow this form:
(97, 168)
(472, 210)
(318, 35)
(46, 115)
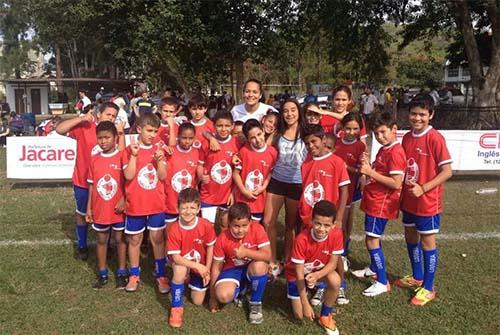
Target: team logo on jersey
(181, 180)
(107, 187)
(191, 163)
(95, 150)
(193, 255)
(313, 266)
(412, 171)
(324, 173)
(197, 144)
(147, 177)
(254, 180)
(421, 152)
(221, 172)
(313, 193)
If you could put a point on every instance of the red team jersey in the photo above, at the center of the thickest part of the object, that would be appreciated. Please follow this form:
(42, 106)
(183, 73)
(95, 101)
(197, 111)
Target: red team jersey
(191, 242)
(312, 252)
(164, 133)
(217, 164)
(105, 174)
(201, 127)
(255, 167)
(321, 179)
(86, 147)
(181, 174)
(378, 200)
(333, 125)
(351, 153)
(425, 153)
(145, 193)
(256, 238)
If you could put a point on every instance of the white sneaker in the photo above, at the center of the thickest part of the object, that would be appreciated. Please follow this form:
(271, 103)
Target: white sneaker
(364, 273)
(342, 297)
(376, 289)
(346, 263)
(318, 297)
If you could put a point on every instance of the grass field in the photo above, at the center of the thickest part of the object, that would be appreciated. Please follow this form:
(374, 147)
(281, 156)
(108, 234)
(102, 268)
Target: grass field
(44, 289)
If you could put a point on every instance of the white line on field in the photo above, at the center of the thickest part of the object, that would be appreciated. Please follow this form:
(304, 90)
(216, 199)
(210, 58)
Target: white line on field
(356, 237)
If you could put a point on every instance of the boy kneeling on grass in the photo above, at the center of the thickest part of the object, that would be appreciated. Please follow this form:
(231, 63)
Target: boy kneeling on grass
(190, 245)
(241, 256)
(315, 254)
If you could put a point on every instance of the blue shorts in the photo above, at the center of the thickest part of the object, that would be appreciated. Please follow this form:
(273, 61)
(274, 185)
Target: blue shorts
(170, 217)
(292, 289)
(423, 224)
(81, 198)
(257, 216)
(374, 226)
(196, 283)
(357, 195)
(137, 224)
(105, 227)
(236, 275)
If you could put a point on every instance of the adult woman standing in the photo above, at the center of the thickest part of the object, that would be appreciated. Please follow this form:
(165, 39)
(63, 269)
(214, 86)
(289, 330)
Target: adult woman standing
(252, 108)
(285, 187)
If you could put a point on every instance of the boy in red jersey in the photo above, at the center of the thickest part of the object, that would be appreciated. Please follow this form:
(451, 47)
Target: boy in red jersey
(190, 245)
(241, 255)
(315, 255)
(106, 203)
(253, 174)
(381, 196)
(144, 168)
(215, 171)
(168, 127)
(82, 129)
(181, 170)
(197, 106)
(428, 167)
(324, 177)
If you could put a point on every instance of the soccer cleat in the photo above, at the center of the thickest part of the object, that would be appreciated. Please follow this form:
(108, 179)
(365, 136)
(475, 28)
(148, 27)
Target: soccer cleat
(133, 283)
(376, 289)
(176, 317)
(329, 324)
(346, 263)
(342, 297)
(83, 253)
(274, 271)
(255, 316)
(101, 281)
(318, 297)
(422, 296)
(364, 273)
(408, 282)
(163, 285)
(121, 281)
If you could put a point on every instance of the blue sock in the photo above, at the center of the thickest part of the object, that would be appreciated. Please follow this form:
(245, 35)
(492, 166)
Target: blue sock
(81, 235)
(430, 266)
(346, 247)
(415, 255)
(160, 267)
(258, 287)
(103, 273)
(343, 284)
(321, 284)
(326, 310)
(136, 271)
(121, 272)
(177, 290)
(378, 260)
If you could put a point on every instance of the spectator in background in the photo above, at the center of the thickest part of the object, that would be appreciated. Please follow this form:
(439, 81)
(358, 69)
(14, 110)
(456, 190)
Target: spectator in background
(99, 94)
(270, 100)
(83, 101)
(4, 132)
(4, 108)
(435, 96)
(212, 104)
(143, 105)
(122, 113)
(310, 97)
(16, 124)
(388, 99)
(369, 101)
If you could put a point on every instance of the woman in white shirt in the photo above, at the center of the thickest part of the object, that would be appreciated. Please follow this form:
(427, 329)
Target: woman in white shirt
(252, 108)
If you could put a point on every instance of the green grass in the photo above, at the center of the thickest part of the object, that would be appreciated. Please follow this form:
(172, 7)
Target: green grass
(44, 289)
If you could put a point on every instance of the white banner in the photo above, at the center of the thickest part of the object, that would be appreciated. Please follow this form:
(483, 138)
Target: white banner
(469, 149)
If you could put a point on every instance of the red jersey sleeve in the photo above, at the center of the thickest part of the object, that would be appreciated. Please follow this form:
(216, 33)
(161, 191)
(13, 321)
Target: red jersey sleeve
(344, 176)
(210, 236)
(397, 162)
(174, 241)
(219, 254)
(298, 255)
(261, 237)
(336, 240)
(125, 157)
(90, 175)
(440, 150)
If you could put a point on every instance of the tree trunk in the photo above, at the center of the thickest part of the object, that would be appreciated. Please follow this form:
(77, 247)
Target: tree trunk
(239, 81)
(59, 82)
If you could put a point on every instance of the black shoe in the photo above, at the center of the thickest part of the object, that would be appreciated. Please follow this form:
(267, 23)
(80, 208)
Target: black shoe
(101, 281)
(83, 253)
(121, 281)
